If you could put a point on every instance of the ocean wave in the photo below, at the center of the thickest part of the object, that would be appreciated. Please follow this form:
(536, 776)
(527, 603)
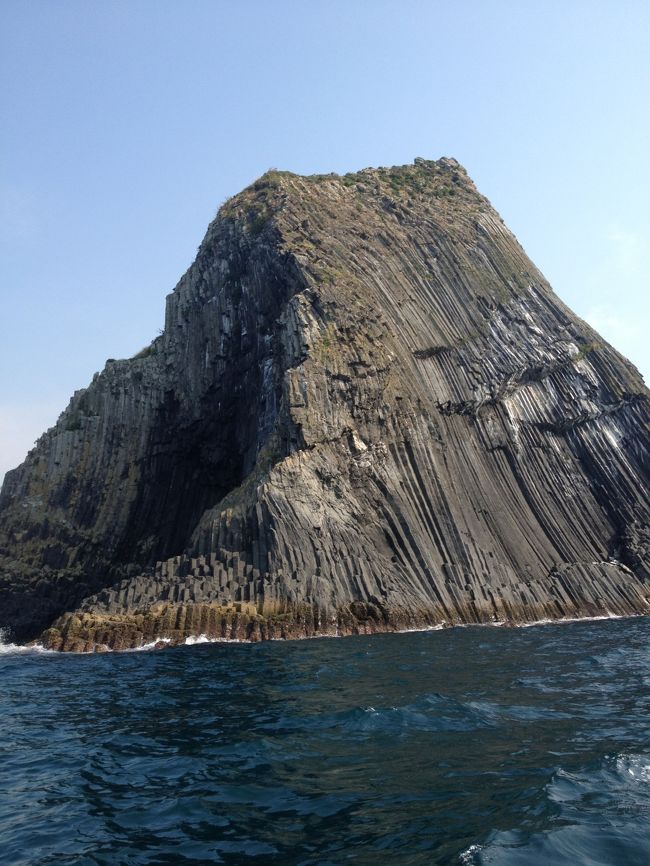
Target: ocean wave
(393, 749)
(193, 640)
(469, 856)
(601, 808)
(499, 623)
(571, 619)
(433, 713)
(9, 649)
(151, 645)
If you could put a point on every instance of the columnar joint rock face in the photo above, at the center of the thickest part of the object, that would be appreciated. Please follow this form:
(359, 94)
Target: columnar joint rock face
(367, 411)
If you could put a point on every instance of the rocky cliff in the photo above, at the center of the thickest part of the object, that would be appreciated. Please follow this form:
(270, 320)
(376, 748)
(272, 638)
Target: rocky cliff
(367, 411)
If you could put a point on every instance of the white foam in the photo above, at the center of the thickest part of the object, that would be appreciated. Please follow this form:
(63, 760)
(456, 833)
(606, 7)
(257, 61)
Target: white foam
(438, 627)
(193, 640)
(467, 857)
(637, 766)
(568, 619)
(154, 644)
(9, 649)
(500, 623)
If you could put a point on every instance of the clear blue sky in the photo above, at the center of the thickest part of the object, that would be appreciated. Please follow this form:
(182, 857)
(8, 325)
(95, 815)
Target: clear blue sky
(126, 124)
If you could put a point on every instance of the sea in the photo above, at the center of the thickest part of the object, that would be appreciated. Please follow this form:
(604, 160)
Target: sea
(475, 745)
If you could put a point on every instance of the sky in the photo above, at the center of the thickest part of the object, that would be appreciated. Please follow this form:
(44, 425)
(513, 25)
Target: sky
(126, 124)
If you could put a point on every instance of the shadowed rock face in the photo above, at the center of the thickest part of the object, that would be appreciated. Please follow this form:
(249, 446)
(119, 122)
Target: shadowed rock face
(367, 411)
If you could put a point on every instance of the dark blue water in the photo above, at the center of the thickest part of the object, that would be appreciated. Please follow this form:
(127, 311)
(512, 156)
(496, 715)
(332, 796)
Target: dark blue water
(472, 746)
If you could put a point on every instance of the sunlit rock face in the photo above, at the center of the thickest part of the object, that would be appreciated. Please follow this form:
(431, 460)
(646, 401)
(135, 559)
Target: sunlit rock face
(367, 411)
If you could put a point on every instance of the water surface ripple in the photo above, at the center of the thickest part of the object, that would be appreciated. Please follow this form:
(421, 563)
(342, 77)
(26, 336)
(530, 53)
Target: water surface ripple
(466, 746)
